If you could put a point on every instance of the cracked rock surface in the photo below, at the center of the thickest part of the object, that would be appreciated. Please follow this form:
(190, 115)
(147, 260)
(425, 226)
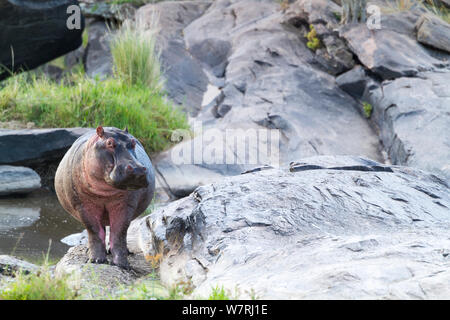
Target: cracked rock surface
(340, 228)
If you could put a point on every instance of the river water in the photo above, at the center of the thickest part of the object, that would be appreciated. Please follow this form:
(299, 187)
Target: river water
(29, 223)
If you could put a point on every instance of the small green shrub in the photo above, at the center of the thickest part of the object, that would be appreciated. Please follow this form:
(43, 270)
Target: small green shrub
(367, 107)
(313, 42)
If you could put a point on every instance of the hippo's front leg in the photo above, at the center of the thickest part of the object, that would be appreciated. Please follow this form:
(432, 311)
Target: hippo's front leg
(120, 216)
(91, 216)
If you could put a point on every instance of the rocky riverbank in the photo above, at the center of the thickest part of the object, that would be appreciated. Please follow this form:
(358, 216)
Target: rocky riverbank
(359, 206)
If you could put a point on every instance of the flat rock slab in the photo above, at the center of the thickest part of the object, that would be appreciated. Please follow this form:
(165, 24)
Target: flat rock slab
(31, 147)
(328, 233)
(18, 180)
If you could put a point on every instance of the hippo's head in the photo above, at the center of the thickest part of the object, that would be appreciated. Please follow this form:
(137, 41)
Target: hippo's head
(112, 158)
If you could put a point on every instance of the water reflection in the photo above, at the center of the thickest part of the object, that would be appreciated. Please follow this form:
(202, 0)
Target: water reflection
(28, 223)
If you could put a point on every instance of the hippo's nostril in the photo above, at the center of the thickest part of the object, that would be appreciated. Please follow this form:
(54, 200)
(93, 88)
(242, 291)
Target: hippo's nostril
(144, 168)
(129, 168)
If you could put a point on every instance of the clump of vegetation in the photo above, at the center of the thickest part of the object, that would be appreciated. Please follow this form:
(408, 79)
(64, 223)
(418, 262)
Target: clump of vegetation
(136, 60)
(218, 294)
(367, 107)
(313, 42)
(39, 286)
(439, 11)
(133, 98)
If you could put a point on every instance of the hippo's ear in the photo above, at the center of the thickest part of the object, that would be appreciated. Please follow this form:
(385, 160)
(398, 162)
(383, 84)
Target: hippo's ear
(126, 129)
(100, 131)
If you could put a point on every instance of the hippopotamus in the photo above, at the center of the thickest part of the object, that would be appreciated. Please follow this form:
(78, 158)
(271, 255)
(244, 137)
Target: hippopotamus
(106, 179)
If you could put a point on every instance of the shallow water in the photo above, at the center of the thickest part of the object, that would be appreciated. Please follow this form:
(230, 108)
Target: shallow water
(28, 223)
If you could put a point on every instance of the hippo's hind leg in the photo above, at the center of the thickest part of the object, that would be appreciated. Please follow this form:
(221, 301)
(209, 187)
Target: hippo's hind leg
(92, 220)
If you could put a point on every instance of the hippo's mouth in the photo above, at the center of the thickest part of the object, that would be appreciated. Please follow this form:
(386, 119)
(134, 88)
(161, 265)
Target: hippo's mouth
(129, 183)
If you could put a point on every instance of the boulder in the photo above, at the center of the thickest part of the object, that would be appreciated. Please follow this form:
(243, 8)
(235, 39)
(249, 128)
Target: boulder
(35, 32)
(413, 120)
(10, 265)
(31, 147)
(99, 279)
(98, 58)
(353, 82)
(374, 49)
(18, 180)
(332, 227)
(433, 32)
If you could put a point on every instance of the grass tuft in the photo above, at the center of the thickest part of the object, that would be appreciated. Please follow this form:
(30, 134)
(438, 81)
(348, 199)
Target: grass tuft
(136, 60)
(218, 294)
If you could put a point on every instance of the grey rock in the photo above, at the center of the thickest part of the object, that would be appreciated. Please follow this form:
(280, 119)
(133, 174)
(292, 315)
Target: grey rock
(434, 32)
(97, 280)
(185, 79)
(107, 11)
(353, 82)
(9, 265)
(313, 234)
(18, 180)
(74, 58)
(374, 50)
(412, 115)
(50, 71)
(98, 58)
(30, 147)
(35, 32)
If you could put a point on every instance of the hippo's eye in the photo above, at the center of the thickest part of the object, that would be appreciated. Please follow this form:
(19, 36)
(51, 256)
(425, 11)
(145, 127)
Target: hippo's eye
(132, 144)
(110, 143)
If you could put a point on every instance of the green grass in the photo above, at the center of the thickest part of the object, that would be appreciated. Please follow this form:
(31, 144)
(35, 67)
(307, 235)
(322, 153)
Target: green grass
(89, 103)
(218, 294)
(136, 60)
(439, 11)
(39, 286)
